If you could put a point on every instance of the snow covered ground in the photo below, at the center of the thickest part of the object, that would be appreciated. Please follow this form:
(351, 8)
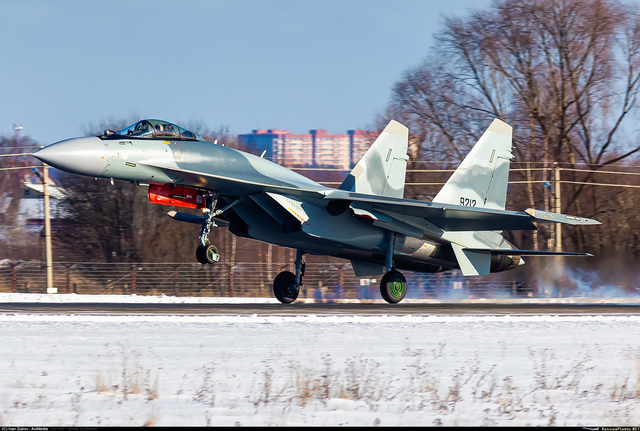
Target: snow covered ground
(312, 370)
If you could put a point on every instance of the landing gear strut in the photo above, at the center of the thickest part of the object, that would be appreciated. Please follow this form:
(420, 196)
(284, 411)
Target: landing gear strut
(393, 286)
(208, 253)
(286, 285)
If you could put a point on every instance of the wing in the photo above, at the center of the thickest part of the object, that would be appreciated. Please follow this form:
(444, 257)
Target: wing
(403, 215)
(431, 216)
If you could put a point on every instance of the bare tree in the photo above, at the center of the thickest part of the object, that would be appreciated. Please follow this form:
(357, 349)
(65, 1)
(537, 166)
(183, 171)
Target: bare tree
(564, 73)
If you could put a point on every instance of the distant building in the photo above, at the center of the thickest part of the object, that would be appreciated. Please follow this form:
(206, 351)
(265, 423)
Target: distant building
(318, 148)
(359, 143)
(22, 212)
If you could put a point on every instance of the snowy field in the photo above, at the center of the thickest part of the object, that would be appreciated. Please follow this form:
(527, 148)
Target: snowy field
(311, 370)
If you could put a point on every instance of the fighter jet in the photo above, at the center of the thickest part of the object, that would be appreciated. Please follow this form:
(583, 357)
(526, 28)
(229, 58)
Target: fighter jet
(366, 220)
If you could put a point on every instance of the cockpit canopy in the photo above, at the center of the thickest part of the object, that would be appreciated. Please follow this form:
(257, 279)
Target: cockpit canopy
(159, 129)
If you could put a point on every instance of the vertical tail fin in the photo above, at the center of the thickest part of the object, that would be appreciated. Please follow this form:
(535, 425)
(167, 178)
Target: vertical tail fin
(382, 169)
(482, 177)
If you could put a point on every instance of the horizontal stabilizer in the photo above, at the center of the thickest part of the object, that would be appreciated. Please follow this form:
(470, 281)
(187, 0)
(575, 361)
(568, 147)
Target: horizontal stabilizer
(514, 252)
(546, 216)
(195, 219)
(472, 261)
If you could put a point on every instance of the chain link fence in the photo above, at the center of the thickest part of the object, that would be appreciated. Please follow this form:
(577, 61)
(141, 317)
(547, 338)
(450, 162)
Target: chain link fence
(242, 279)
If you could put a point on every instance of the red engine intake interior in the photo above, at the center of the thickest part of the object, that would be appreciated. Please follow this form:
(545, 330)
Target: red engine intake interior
(177, 196)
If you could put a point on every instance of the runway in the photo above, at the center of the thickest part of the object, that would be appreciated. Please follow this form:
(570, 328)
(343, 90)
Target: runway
(319, 309)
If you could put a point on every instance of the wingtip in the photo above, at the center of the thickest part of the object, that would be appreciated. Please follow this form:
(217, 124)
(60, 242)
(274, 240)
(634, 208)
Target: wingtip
(591, 222)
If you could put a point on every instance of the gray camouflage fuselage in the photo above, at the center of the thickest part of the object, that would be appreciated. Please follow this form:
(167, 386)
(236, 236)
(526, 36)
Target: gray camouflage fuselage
(236, 174)
(366, 219)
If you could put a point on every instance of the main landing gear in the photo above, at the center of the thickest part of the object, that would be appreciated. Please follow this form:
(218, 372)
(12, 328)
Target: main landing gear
(286, 285)
(208, 253)
(393, 286)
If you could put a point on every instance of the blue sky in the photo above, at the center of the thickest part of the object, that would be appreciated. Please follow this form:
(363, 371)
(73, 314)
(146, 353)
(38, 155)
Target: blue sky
(296, 65)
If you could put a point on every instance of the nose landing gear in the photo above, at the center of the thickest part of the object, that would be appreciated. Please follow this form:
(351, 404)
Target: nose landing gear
(208, 253)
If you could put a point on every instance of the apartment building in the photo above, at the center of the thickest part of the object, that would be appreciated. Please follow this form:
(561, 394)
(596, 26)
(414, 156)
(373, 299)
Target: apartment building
(318, 148)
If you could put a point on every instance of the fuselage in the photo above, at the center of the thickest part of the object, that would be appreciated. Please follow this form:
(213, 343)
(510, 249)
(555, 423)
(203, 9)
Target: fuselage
(239, 175)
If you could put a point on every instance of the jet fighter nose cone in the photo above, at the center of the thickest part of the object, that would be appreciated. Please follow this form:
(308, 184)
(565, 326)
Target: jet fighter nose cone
(84, 156)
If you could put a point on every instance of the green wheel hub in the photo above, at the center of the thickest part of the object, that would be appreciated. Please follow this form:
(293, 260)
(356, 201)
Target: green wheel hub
(212, 251)
(397, 288)
(393, 287)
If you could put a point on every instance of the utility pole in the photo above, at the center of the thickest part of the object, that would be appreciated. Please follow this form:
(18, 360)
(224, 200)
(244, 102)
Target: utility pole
(47, 228)
(16, 132)
(558, 206)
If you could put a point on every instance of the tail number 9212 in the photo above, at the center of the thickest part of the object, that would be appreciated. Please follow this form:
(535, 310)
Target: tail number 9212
(466, 202)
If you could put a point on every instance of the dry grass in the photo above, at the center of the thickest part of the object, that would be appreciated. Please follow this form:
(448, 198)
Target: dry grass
(419, 387)
(133, 379)
(206, 393)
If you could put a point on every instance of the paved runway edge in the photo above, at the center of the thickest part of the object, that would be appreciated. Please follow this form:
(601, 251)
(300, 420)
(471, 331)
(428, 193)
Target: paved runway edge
(40, 298)
(321, 309)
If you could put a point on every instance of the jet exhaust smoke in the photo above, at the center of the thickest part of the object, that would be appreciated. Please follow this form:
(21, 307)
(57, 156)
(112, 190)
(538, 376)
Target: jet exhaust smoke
(564, 281)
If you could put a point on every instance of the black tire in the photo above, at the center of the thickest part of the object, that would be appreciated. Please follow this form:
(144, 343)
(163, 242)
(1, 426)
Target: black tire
(284, 287)
(393, 287)
(201, 255)
(209, 252)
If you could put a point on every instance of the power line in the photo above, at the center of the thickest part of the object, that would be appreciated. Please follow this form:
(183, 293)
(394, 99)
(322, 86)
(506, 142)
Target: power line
(435, 170)
(514, 162)
(418, 171)
(15, 154)
(19, 167)
(408, 170)
(321, 169)
(511, 182)
(602, 184)
(600, 172)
